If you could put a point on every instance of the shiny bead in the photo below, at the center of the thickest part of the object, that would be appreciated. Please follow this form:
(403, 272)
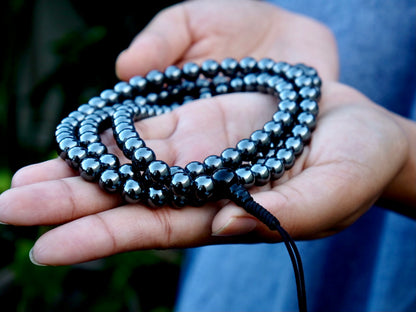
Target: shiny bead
(190, 71)
(247, 149)
(97, 102)
(87, 128)
(77, 115)
(294, 72)
(173, 73)
(158, 196)
(124, 135)
(155, 77)
(287, 156)
(236, 84)
(231, 158)
(132, 144)
(274, 128)
(307, 119)
(265, 64)
(288, 106)
(89, 138)
(212, 163)
(96, 149)
(195, 168)
(86, 109)
(276, 167)
(65, 145)
(250, 82)
(133, 192)
(245, 176)
(124, 89)
(302, 131)
(64, 135)
(229, 66)
(204, 187)
(121, 127)
(272, 83)
(126, 172)
(310, 93)
(261, 174)
(75, 156)
(142, 157)
(175, 169)
(283, 117)
(139, 83)
(70, 121)
(158, 172)
(210, 68)
(290, 95)
(110, 181)
(283, 85)
(303, 81)
(109, 161)
(90, 169)
(223, 179)
(261, 138)
(247, 64)
(262, 82)
(280, 68)
(181, 183)
(110, 96)
(294, 143)
(309, 106)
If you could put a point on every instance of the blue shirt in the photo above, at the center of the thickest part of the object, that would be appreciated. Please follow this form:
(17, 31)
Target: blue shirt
(370, 266)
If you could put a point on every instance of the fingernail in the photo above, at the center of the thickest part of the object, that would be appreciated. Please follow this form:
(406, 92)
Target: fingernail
(236, 226)
(33, 260)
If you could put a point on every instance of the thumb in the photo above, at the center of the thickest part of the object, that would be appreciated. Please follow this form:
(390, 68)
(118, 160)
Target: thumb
(161, 43)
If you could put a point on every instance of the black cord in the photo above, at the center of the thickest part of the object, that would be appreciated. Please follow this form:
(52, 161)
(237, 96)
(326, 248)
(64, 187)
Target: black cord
(243, 198)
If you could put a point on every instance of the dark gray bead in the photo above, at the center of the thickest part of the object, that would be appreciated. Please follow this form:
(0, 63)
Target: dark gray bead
(307, 119)
(310, 93)
(274, 128)
(140, 100)
(283, 117)
(87, 128)
(210, 68)
(65, 145)
(272, 83)
(229, 66)
(97, 102)
(294, 143)
(290, 95)
(265, 64)
(294, 72)
(179, 201)
(190, 71)
(302, 131)
(212, 163)
(310, 107)
(96, 150)
(231, 157)
(195, 168)
(181, 183)
(261, 138)
(288, 106)
(75, 156)
(175, 169)
(109, 161)
(283, 85)
(247, 148)
(90, 169)
(245, 176)
(287, 156)
(121, 127)
(124, 135)
(303, 81)
(262, 82)
(247, 64)
(204, 187)
(158, 196)
(64, 135)
(70, 121)
(124, 89)
(158, 172)
(317, 82)
(133, 192)
(276, 167)
(126, 172)
(110, 181)
(261, 174)
(250, 82)
(86, 109)
(173, 73)
(77, 115)
(110, 96)
(280, 68)
(142, 157)
(139, 83)
(132, 144)
(155, 78)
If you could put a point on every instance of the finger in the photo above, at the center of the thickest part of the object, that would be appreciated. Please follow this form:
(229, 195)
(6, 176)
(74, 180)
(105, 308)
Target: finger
(160, 44)
(123, 229)
(52, 202)
(45, 171)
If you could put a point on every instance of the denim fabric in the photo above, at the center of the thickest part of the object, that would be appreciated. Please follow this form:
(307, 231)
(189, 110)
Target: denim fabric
(371, 266)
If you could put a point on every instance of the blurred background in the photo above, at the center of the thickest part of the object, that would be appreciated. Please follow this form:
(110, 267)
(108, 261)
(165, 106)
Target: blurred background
(54, 56)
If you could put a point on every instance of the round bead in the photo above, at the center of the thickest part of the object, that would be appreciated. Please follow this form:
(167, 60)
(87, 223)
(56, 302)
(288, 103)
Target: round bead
(210, 68)
(109, 161)
(158, 196)
(250, 82)
(138, 82)
(65, 145)
(247, 64)
(290, 95)
(195, 168)
(294, 143)
(236, 84)
(231, 158)
(309, 106)
(132, 144)
(181, 183)
(276, 167)
(288, 106)
(284, 117)
(310, 93)
(96, 149)
(229, 66)
(142, 157)
(75, 156)
(247, 149)
(132, 191)
(155, 77)
(89, 138)
(287, 156)
(124, 135)
(265, 64)
(204, 187)
(261, 174)
(245, 176)
(110, 96)
(90, 169)
(274, 128)
(190, 71)
(212, 163)
(175, 169)
(261, 138)
(97, 102)
(307, 119)
(280, 68)
(223, 179)
(302, 131)
(110, 180)
(123, 89)
(126, 172)
(173, 73)
(158, 172)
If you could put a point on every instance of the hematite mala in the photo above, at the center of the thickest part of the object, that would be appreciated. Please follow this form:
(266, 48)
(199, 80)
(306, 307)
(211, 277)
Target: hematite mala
(256, 160)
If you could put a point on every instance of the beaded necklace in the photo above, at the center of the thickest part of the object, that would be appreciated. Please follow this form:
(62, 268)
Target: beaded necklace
(256, 160)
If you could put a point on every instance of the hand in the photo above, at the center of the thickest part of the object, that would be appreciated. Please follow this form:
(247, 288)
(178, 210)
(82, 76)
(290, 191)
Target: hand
(345, 168)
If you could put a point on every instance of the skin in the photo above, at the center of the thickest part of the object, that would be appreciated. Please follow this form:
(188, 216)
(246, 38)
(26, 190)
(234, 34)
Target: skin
(359, 152)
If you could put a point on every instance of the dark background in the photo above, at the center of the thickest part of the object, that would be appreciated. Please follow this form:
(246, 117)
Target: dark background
(54, 56)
